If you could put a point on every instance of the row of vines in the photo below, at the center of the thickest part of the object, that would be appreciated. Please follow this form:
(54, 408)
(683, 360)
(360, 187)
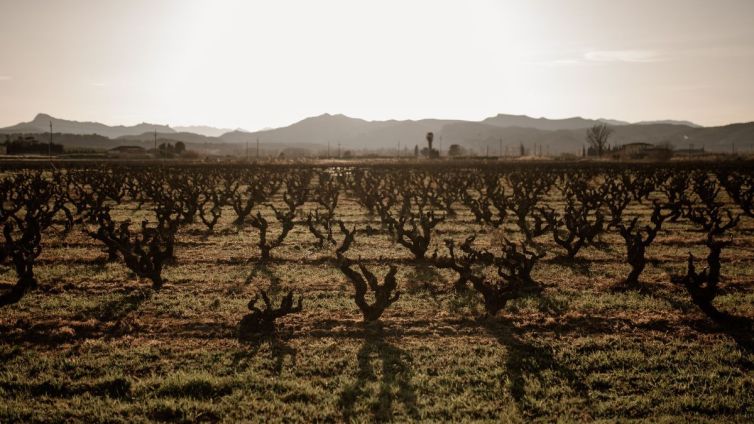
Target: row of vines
(572, 207)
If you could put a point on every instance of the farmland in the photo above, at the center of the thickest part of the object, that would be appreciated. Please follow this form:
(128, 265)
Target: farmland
(431, 292)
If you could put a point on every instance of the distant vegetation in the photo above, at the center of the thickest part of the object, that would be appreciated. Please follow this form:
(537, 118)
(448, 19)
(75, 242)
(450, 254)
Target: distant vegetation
(30, 145)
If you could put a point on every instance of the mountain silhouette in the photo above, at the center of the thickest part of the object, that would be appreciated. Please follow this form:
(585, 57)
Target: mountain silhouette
(41, 124)
(523, 121)
(671, 122)
(351, 133)
(489, 135)
(205, 130)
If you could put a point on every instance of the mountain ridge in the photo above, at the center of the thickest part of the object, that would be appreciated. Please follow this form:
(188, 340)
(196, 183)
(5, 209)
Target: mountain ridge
(205, 130)
(41, 123)
(542, 123)
(493, 134)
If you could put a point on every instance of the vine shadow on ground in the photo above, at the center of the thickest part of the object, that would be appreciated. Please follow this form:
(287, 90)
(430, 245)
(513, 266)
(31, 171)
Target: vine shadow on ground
(526, 361)
(396, 373)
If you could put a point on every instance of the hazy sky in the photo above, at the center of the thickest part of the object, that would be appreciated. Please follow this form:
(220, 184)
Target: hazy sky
(270, 63)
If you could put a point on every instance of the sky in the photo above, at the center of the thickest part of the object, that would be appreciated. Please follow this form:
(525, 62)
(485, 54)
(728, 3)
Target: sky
(259, 64)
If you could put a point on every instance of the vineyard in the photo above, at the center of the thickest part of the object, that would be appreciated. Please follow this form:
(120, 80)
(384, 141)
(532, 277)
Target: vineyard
(358, 292)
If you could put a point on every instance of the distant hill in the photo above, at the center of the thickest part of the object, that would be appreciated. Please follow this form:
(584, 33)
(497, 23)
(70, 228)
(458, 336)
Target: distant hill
(613, 122)
(172, 137)
(41, 124)
(510, 131)
(560, 135)
(205, 130)
(723, 137)
(351, 133)
(523, 121)
(478, 136)
(316, 133)
(670, 122)
(319, 129)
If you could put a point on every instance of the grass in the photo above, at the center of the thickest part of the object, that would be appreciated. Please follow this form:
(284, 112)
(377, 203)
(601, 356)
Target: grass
(94, 344)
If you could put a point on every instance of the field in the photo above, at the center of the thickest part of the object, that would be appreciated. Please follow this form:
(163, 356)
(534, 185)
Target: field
(94, 342)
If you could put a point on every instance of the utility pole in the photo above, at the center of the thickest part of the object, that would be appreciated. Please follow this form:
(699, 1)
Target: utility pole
(49, 148)
(247, 150)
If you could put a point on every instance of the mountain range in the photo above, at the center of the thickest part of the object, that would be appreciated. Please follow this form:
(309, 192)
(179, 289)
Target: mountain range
(41, 124)
(317, 133)
(206, 130)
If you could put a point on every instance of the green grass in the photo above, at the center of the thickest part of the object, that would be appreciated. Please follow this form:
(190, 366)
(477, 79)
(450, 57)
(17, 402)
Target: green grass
(94, 344)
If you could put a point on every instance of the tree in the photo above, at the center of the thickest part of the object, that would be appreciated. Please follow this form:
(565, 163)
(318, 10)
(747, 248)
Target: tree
(180, 147)
(456, 150)
(430, 137)
(416, 151)
(597, 137)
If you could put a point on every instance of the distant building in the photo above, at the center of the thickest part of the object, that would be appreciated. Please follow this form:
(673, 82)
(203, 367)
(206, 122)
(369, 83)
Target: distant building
(128, 152)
